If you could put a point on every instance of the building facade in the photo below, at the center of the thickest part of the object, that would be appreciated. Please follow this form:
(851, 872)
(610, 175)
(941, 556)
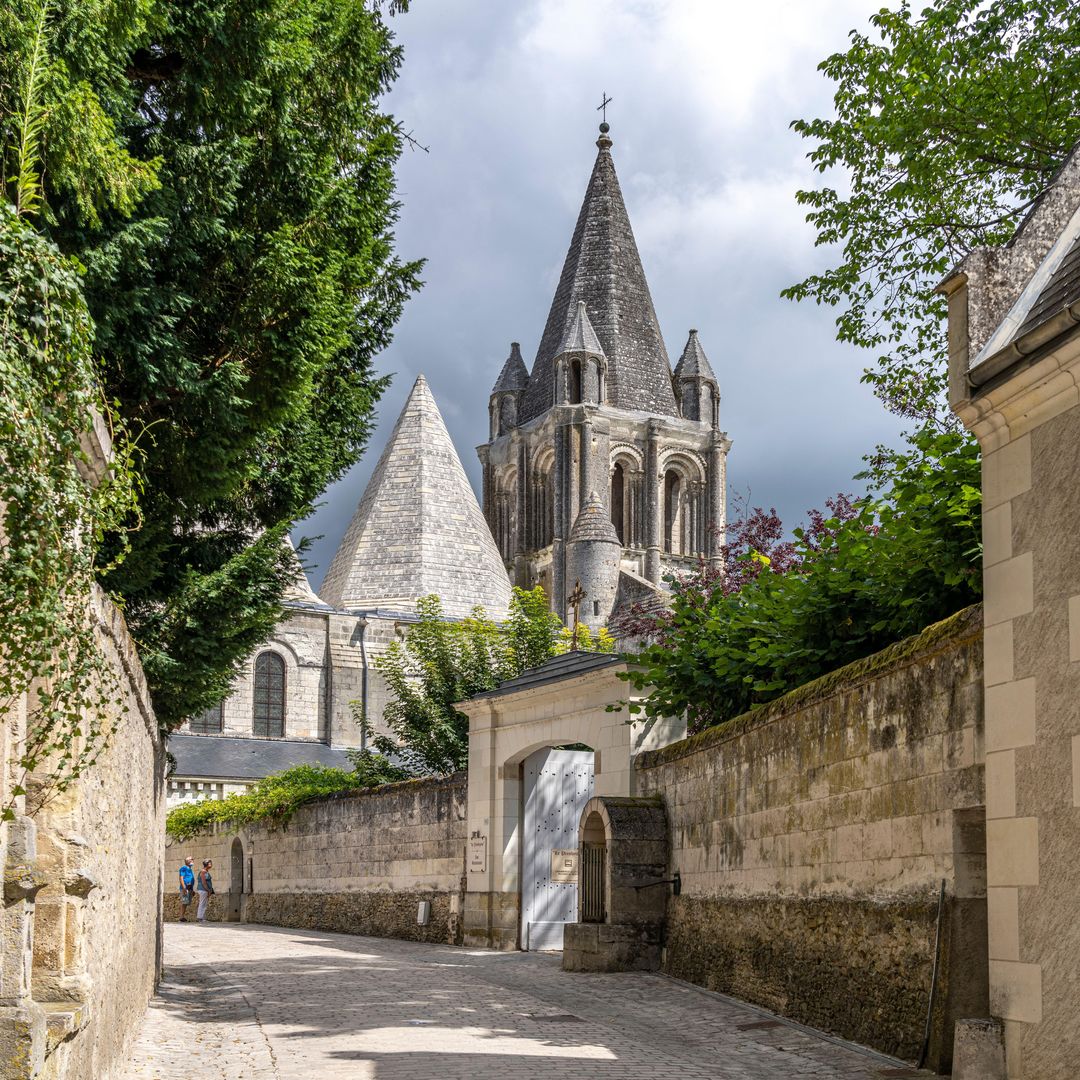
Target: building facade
(604, 466)
(417, 531)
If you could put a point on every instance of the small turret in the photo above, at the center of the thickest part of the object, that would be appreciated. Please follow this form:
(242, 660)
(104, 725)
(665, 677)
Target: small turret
(696, 388)
(504, 404)
(580, 363)
(593, 557)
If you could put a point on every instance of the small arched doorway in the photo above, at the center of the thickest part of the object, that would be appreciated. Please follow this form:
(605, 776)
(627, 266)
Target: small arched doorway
(236, 880)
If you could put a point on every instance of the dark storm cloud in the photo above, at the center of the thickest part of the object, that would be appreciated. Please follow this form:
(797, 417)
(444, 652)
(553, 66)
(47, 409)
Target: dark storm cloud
(504, 95)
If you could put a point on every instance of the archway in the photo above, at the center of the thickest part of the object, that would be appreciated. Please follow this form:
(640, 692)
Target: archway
(236, 880)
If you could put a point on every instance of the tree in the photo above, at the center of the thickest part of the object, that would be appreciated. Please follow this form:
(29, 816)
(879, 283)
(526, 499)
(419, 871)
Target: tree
(852, 581)
(223, 171)
(949, 123)
(441, 663)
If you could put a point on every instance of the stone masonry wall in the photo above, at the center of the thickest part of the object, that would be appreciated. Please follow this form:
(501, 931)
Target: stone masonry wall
(82, 943)
(359, 864)
(813, 835)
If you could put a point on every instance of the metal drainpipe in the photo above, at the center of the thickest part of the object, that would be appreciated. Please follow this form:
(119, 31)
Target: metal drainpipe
(363, 688)
(328, 687)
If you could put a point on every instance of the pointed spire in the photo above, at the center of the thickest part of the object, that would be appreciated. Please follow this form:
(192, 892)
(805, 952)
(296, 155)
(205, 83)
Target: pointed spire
(514, 374)
(594, 523)
(579, 335)
(418, 529)
(603, 269)
(694, 364)
(300, 592)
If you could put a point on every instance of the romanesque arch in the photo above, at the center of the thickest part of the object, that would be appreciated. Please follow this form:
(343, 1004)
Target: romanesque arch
(541, 505)
(504, 525)
(627, 500)
(683, 502)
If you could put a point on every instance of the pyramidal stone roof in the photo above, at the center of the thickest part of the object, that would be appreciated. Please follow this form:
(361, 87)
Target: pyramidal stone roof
(514, 374)
(579, 336)
(603, 269)
(593, 523)
(694, 364)
(418, 529)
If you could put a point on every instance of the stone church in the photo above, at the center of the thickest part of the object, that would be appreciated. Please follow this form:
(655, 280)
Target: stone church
(418, 530)
(603, 465)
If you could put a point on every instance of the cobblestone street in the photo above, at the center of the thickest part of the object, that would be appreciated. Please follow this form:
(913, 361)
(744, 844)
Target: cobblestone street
(252, 1001)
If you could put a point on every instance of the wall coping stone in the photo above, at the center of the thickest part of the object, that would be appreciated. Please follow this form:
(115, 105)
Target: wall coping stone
(964, 626)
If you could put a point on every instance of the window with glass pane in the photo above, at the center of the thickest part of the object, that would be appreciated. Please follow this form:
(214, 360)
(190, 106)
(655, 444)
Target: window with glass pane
(269, 719)
(207, 723)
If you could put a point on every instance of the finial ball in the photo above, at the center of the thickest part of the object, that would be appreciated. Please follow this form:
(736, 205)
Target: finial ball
(605, 127)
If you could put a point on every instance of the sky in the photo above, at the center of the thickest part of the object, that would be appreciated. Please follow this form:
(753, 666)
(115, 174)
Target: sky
(504, 95)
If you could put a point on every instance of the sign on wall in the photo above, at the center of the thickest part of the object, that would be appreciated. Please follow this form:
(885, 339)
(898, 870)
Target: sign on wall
(564, 866)
(477, 853)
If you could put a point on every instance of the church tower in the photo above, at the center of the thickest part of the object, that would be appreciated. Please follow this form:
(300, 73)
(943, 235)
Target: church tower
(603, 465)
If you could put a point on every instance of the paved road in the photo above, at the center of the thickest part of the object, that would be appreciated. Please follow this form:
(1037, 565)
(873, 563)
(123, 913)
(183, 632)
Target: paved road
(243, 1002)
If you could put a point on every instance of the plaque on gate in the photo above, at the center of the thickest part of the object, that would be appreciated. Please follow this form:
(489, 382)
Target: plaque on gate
(477, 853)
(564, 866)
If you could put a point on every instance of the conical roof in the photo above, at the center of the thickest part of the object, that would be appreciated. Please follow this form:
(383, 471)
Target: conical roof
(694, 364)
(514, 374)
(300, 592)
(418, 529)
(579, 335)
(593, 523)
(603, 269)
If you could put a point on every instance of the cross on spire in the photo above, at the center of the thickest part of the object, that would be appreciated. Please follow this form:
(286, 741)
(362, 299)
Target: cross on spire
(602, 107)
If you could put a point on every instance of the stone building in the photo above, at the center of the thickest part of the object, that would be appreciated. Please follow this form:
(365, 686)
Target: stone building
(603, 465)
(1014, 368)
(418, 530)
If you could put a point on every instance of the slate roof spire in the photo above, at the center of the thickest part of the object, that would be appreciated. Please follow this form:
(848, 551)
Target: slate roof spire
(579, 336)
(694, 364)
(603, 269)
(514, 374)
(418, 529)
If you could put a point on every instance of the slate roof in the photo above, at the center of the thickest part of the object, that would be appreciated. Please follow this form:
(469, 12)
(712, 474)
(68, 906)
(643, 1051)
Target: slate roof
(579, 335)
(694, 364)
(218, 757)
(514, 374)
(1059, 292)
(418, 529)
(567, 666)
(603, 269)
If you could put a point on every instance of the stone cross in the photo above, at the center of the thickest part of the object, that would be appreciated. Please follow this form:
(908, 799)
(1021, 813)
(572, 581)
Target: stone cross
(602, 107)
(574, 599)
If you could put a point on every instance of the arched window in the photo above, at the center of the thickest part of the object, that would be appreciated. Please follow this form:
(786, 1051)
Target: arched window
(208, 722)
(618, 499)
(575, 382)
(672, 513)
(269, 711)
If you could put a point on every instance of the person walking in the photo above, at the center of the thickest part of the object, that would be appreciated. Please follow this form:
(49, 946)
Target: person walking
(205, 889)
(187, 887)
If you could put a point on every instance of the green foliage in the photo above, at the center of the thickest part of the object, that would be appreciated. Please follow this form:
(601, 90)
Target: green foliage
(949, 122)
(225, 174)
(273, 800)
(910, 556)
(441, 662)
(52, 517)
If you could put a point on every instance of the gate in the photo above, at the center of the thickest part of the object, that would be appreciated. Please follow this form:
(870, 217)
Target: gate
(558, 784)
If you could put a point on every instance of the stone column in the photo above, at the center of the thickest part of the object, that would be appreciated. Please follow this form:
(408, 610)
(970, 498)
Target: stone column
(652, 504)
(522, 515)
(562, 491)
(717, 514)
(586, 464)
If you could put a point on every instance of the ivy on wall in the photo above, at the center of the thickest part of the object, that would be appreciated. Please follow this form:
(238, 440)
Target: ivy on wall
(52, 514)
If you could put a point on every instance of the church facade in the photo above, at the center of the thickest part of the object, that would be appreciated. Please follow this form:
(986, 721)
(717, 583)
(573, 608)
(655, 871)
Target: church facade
(604, 466)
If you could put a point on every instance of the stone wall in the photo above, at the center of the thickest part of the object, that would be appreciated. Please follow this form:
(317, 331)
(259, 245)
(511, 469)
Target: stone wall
(360, 864)
(812, 837)
(82, 895)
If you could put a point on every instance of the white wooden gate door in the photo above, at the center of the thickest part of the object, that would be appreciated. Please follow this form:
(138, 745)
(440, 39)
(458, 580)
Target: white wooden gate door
(558, 784)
